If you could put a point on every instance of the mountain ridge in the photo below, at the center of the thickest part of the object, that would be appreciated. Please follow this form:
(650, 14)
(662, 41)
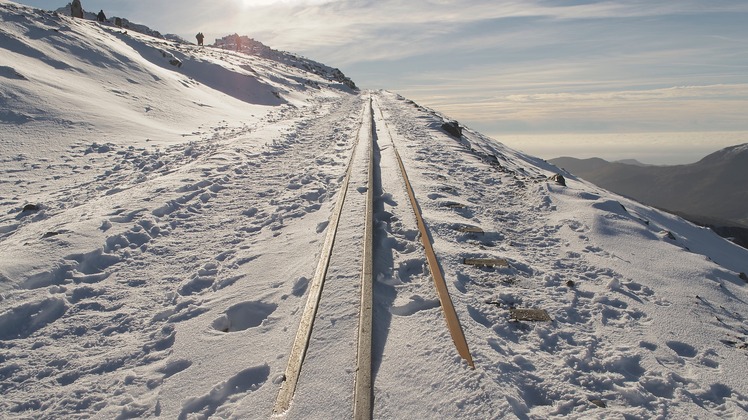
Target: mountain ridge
(239, 43)
(711, 180)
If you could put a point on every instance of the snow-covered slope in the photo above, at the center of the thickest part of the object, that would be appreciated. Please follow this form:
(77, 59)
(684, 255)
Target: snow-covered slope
(163, 207)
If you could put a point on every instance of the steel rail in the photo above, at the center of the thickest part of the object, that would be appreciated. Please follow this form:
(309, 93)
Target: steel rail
(362, 396)
(304, 332)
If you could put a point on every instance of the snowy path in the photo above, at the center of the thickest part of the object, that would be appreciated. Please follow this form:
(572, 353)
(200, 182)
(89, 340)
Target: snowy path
(331, 355)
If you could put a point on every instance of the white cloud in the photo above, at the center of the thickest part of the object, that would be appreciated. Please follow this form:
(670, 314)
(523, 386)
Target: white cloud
(691, 108)
(265, 3)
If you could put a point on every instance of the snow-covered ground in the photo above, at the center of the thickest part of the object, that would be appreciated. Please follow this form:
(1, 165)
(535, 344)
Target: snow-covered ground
(177, 199)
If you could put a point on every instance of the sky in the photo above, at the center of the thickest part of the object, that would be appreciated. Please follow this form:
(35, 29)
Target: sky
(661, 81)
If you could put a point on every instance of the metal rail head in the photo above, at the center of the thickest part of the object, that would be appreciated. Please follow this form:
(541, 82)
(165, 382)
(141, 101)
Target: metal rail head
(362, 396)
(301, 341)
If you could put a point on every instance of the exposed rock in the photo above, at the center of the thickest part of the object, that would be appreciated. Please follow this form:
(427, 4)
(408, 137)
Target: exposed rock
(559, 179)
(744, 277)
(30, 208)
(667, 234)
(599, 403)
(251, 46)
(453, 128)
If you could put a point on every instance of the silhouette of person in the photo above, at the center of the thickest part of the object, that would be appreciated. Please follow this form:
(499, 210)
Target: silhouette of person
(76, 9)
(200, 38)
(101, 16)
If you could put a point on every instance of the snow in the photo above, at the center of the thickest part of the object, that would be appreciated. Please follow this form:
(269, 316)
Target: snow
(179, 211)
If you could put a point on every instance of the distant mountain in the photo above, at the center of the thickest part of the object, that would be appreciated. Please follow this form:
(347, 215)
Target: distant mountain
(632, 162)
(711, 192)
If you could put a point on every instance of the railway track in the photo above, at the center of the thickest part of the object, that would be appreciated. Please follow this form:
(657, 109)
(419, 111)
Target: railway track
(372, 139)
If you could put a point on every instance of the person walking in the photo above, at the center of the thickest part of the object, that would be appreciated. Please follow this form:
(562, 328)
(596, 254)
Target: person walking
(101, 17)
(200, 38)
(76, 10)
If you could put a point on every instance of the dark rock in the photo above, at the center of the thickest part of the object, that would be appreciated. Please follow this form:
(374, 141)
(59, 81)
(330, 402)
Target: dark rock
(599, 403)
(526, 314)
(570, 283)
(453, 128)
(559, 179)
(743, 276)
(30, 207)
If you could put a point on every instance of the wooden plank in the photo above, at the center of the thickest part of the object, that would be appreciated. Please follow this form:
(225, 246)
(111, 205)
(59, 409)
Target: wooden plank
(447, 189)
(486, 262)
(362, 395)
(470, 229)
(304, 332)
(529, 314)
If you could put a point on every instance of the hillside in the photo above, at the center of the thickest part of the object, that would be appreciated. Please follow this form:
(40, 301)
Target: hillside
(168, 213)
(706, 190)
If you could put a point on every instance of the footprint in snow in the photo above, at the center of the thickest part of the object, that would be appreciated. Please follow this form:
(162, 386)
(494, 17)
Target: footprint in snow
(173, 367)
(225, 255)
(229, 391)
(27, 318)
(161, 340)
(56, 276)
(123, 216)
(409, 268)
(416, 304)
(682, 349)
(322, 226)
(479, 317)
(314, 195)
(243, 316)
(204, 278)
(91, 266)
(300, 286)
